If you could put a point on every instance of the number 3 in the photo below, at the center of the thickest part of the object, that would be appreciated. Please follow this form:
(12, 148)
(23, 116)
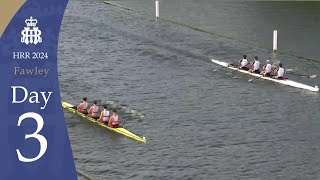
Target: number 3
(40, 138)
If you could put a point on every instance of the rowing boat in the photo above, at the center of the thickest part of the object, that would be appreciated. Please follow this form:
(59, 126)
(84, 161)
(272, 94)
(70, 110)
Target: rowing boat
(281, 81)
(119, 130)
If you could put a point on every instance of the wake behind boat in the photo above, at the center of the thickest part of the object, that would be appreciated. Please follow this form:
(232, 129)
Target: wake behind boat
(281, 81)
(119, 130)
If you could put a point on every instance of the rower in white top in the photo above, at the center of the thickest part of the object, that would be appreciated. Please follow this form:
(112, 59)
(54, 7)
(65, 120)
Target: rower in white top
(244, 63)
(280, 72)
(255, 66)
(267, 69)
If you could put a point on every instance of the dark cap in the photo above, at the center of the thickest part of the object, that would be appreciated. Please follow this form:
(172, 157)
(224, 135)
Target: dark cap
(85, 98)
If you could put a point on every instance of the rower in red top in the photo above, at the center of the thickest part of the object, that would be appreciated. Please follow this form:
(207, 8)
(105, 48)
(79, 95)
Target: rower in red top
(104, 115)
(114, 120)
(94, 111)
(83, 107)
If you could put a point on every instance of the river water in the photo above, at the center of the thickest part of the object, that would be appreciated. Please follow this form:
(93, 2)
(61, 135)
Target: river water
(200, 122)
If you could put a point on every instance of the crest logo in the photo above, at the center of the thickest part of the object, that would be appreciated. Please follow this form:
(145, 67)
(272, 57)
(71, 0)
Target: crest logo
(31, 33)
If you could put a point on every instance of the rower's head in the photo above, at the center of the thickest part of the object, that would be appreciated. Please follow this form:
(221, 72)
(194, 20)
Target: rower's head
(244, 56)
(95, 102)
(85, 98)
(256, 58)
(114, 112)
(105, 107)
(268, 61)
(280, 64)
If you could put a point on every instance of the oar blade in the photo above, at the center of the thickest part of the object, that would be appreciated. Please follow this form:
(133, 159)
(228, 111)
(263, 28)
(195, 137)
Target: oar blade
(292, 70)
(313, 76)
(305, 75)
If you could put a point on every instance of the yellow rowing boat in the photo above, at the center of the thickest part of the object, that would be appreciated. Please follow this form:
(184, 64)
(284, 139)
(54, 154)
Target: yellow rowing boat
(119, 130)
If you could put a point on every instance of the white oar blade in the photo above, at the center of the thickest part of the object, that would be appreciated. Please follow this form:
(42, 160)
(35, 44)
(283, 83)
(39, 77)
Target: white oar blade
(313, 76)
(292, 70)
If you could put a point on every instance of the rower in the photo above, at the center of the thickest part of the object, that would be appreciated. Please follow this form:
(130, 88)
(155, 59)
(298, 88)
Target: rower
(255, 66)
(83, 107)
(244, 62)
(114, 120)
(267, 69)
(104, 115)
(94, 110)
(280, 72)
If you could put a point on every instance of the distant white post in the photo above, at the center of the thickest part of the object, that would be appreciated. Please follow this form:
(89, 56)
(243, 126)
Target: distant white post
(275, 40)
(157, 9)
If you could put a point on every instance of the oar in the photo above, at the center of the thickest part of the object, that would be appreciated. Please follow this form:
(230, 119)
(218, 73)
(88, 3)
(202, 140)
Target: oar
(124, 122)
(220, 68)
(233, 65)
(242, 74)
(304, 75)
(229, 73)
(254, 78)
(292, 70)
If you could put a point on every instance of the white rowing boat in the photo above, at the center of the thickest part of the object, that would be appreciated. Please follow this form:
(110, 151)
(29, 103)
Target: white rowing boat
(281, 81)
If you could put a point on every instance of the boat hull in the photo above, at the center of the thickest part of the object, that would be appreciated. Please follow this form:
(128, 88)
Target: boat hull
(284, 81)
(119, 130)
